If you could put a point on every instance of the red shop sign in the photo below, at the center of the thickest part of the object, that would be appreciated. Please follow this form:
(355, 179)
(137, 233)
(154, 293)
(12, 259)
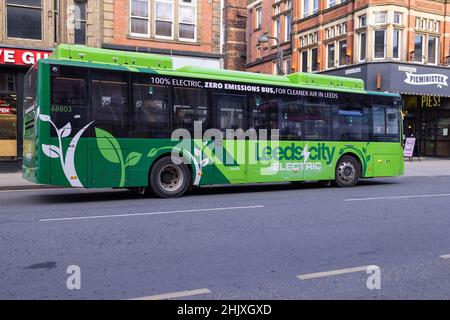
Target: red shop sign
(5, 110)
(21, 57)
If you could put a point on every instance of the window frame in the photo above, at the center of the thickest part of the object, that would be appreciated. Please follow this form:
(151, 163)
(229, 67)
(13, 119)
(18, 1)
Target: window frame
(360, 47)
(423, 37)
(384, 44)
(399, 44)
(41, 9)
(172, 22)
(436, 50)
(178, 22)
(147, 19)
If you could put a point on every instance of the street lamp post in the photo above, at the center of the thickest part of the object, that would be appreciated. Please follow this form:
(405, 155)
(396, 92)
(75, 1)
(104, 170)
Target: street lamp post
(265, 39)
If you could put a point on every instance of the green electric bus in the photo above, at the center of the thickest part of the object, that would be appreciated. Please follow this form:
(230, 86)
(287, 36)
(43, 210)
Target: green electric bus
(96, 118)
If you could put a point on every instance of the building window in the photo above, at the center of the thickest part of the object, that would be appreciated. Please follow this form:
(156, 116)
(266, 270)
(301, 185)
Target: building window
(417, 23)
(379, 44)
(379, 18)
(304, 56)
(80, 22)
(342, 53)
(433, 49)
(164, 24)
(277, 28)
(188, 19)
(397, 39)
(288, 5)
(362, 46)
(258, 18)
(331, 3)
(140, 17)
(305, 8)
(315, 6)
(397, 18)
(418, 48)
(287, 27)
(164, 19)
(330, 55)
(24, 19)
(362, 21)
(424, 24)
(287, 66)
(314, 60)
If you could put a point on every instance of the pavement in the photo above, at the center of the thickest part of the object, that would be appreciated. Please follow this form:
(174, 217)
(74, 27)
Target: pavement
(235, 242)
(425, 167)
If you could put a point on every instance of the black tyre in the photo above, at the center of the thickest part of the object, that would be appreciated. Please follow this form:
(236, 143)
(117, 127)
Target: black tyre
(169, 180)
(348, 171)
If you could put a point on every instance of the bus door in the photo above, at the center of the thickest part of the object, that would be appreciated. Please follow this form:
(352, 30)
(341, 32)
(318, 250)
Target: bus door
(229, 113)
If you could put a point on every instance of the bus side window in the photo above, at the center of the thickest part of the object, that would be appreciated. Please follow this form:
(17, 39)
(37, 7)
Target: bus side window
(386, 120)
(69, 99)
(189, 105)
(316, 119)
(110, 102)
(351, 120)
(150, 111)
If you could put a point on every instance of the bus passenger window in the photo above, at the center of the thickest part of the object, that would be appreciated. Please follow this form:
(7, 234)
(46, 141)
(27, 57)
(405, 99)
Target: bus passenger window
(110, 102)
(316, 119)
(392, 121)
(150, 113)
(189, 105)
(351, 124)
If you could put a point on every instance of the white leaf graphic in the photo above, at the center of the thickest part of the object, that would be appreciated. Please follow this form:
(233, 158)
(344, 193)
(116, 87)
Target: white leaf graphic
(51, 151)
(205, 162)
(44, 118)
(197, 152)
(66, 130)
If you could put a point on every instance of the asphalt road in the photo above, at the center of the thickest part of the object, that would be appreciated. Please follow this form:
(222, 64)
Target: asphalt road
(230, 242)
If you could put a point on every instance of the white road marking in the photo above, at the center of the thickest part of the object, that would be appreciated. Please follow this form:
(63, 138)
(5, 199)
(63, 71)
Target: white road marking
(402, 197)
(148, 213)
(173, 295)
(445, 256)
(331, 273)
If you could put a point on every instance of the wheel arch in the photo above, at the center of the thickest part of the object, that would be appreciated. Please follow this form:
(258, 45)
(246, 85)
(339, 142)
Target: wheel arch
(163, 155)
(353, 155)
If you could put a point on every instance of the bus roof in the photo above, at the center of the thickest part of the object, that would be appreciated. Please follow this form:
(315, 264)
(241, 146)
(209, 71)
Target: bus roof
(152, 63)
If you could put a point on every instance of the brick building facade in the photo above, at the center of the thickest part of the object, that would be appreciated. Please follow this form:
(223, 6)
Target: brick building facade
(393, 45)
(273, 19)
(30, 30)
(188, 30)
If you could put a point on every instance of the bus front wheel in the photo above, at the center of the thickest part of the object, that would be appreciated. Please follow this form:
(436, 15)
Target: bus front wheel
(348, 171)
(169, 180)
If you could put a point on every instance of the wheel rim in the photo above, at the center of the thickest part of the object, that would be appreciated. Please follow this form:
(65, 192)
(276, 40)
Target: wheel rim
(346, 171)
(171, 177)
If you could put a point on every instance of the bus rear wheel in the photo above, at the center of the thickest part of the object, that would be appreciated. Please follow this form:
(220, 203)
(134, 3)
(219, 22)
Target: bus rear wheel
(348, 171)
(169, 180)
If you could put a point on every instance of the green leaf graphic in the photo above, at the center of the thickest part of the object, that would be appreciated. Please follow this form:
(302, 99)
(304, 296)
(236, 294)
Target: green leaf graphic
(108, 145)
(152, 153)
(133, 159)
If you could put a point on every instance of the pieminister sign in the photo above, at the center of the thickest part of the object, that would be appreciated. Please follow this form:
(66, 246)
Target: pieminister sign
(439, 80)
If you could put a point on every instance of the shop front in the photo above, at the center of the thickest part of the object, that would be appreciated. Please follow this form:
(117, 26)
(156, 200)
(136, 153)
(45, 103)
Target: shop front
(426, 95)
(14, 63)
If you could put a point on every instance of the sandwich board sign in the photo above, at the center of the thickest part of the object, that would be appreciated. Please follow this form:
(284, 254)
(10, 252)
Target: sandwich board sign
(409, 147)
